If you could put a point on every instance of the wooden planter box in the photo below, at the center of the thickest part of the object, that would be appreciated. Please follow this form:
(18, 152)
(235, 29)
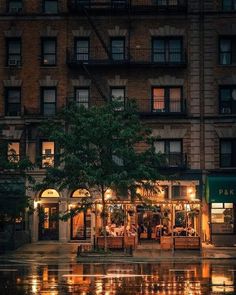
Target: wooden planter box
(187, 243)
(130, 241)
(166, 243)
(112, 242)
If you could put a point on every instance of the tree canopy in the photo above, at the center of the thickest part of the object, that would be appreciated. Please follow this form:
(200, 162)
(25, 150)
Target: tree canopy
(101, 147)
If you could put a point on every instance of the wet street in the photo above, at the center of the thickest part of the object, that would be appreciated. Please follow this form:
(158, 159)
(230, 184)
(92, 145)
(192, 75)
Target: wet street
(35, 274)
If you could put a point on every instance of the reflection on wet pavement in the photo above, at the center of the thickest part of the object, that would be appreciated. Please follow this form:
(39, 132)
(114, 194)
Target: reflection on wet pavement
(54, 278)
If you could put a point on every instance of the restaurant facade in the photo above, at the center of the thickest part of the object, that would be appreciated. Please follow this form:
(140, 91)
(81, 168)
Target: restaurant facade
(170, 217)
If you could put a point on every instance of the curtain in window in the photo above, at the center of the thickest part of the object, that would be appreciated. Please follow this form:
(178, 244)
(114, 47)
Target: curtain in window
(175, 100)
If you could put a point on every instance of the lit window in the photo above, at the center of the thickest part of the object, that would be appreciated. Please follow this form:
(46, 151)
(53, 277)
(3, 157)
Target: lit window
(13, 153)
(222, 218)
(167, 99)
(50, 193)
(48, 154)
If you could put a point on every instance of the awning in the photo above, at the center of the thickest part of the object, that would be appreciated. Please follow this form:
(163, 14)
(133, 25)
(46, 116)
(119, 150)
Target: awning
(221, 189)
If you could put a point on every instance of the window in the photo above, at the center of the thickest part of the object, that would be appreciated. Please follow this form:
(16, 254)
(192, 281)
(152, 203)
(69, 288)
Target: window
(118, 96)
(119, 3)
(15, 6)
(222, 218)
(82, 97)
(118, 48)
(82, 49)
(228, 153)
(48, 154)
(167, 99)
(227, 49)
(50, 6)
(172, 149)
(14, 52)
(13, 152)
(49, 101)
(179, 192)
(167, 50)
(167, 2)
(228, 100)
(13, 102)
(229, 5)
(49, 51)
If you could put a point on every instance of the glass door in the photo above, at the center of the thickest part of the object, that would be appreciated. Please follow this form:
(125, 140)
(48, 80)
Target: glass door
(48, 222)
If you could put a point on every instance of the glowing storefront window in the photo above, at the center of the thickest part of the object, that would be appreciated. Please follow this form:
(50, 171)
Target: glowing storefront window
(50, 193)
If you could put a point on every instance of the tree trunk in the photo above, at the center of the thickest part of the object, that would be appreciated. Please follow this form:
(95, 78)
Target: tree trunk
(104, 220)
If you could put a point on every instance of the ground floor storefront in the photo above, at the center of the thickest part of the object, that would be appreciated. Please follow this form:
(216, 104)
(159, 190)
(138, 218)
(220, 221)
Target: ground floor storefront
(221, 199)
(170, 217)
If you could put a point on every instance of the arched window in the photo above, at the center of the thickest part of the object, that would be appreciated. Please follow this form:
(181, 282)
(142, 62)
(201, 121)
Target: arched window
(50, 193)
(81, 193)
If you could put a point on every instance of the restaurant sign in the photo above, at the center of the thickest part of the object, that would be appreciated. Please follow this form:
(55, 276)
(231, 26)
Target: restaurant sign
(221, 189)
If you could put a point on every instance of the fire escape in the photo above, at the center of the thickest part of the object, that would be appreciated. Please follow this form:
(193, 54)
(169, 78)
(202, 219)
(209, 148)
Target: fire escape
(133, 57)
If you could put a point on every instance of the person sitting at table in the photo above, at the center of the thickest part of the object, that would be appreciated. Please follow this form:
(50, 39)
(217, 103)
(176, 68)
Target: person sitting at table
(183, 232)
(191, 231)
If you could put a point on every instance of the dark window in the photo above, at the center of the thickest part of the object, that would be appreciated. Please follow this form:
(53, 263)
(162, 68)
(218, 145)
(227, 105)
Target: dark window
(14, 52)
(167, 99)
(229, 5)
(179, 192)
(82, 97)
(118, 48)
(13, 102)
(15, 6)
(49, 51)
(119, 3)
(47, 153)
(118, 96)
(228, 153)
(167, 3)
(82, 49)
(50, 6)
(49, 101)
(85, 3)
(167, 50)
(226, 51)
(228, 100)
(172, 150)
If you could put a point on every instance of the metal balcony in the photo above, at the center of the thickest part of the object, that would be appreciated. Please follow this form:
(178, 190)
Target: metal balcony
(174, 161)
(130, 57)
(128, 6)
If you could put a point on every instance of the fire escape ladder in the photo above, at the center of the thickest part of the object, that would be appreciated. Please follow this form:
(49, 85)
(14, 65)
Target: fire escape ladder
(91, 22)
(95, 82)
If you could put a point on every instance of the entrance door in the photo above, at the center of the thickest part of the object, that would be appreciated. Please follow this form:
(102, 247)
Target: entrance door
(48, 222)
(149, 223)
(81, 226)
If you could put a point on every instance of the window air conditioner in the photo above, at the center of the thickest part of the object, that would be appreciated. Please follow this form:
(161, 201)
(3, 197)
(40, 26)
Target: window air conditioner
(14, 62)
(225, 110)
(15, 9)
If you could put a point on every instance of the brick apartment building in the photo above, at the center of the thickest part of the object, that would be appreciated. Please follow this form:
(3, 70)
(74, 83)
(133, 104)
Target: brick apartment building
(175, 57)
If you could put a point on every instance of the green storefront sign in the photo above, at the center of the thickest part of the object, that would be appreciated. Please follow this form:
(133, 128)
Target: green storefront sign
(221, 189)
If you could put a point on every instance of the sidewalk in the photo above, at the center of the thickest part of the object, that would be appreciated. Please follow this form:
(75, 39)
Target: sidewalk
(69, 250)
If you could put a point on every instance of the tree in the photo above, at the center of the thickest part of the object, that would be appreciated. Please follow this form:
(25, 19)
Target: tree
(99, 148)
(13, 199)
